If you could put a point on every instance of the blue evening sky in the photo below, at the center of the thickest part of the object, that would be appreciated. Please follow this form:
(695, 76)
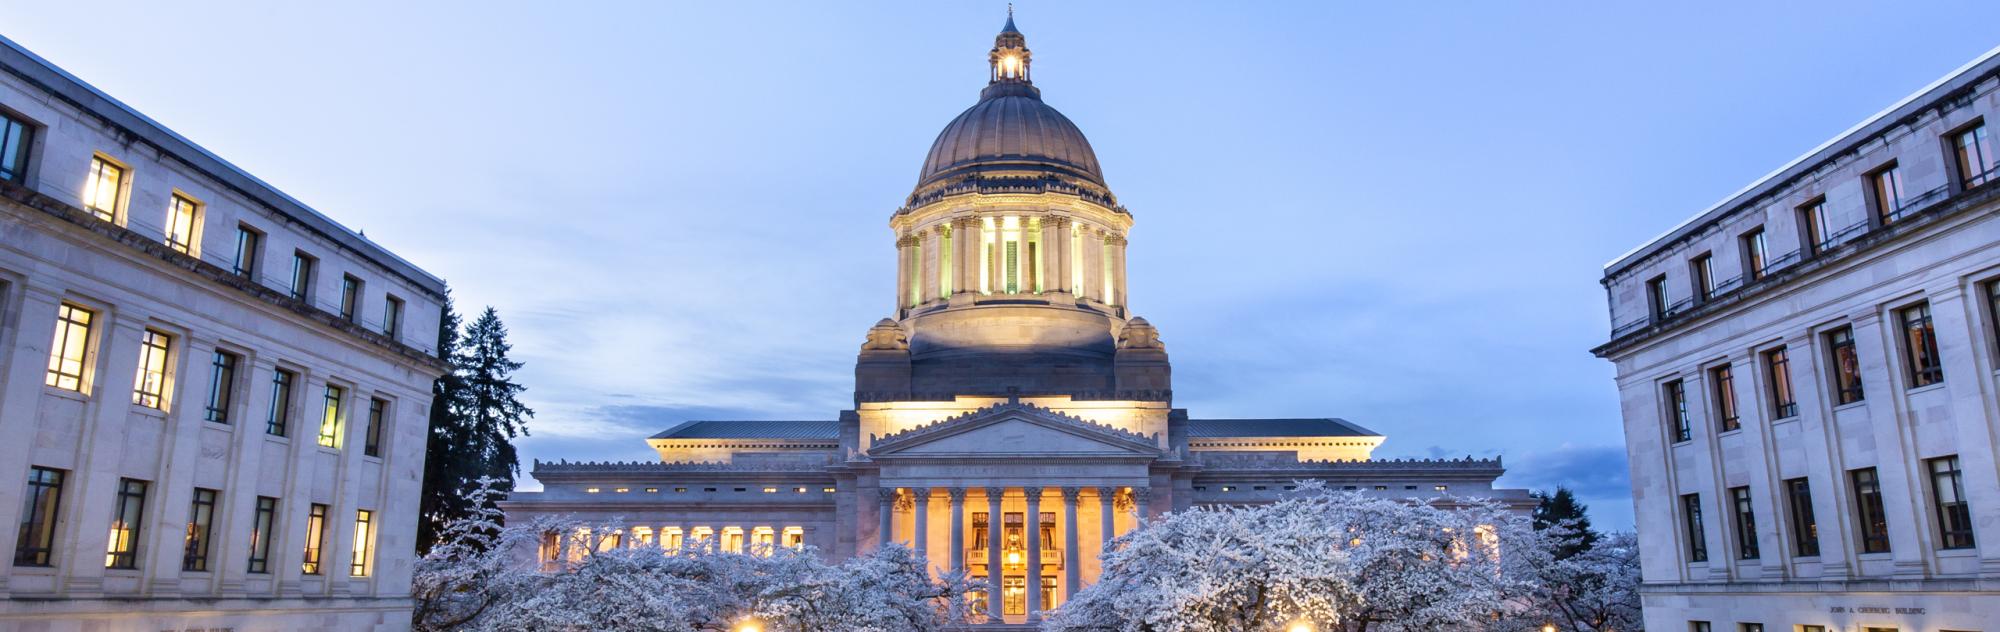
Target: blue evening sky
(1394, 213)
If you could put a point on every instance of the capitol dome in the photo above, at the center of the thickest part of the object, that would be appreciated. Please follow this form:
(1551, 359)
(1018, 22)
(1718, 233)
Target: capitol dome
(1010, 130)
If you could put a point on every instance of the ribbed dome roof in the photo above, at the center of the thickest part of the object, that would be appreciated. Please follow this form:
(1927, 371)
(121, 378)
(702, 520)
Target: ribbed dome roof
(1010, 129)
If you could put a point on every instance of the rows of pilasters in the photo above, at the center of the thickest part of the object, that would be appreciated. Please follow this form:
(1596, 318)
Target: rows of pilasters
(946, 258)
(1073, 506)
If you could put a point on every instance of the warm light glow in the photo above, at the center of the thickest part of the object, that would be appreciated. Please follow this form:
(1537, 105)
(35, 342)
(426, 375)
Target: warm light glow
(1548, 627)
(1013, 558)
(751, 625)
(1299, 626)
(1010, 66)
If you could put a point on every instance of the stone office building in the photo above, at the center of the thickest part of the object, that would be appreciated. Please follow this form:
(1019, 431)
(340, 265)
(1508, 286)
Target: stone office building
(1011, 417)
(214, 398)
(1809, 387)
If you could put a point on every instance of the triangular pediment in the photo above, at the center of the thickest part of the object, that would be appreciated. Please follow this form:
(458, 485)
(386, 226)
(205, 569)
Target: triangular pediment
(1013, 430)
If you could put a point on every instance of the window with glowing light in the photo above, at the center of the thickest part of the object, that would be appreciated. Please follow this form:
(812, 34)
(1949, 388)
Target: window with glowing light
(72, 344)
(795, 538)
(122, 550)
(732, 539)
(183, 216)
(329, 423)
(102, 190)
(364, 542)
(200, 527)
(260, 534)
(763, 541)
(149, 387)
(315, 539)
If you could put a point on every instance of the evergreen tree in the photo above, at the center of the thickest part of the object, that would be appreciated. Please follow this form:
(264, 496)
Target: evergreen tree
(475, 412)
(1561, 509)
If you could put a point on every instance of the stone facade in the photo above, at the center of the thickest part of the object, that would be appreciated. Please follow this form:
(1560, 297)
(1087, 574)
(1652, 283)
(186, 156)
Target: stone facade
(1807, 374)
(122, 236)
(1011, 388)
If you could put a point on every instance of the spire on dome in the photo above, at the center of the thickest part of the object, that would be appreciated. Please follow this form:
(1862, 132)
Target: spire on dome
(1010, 21)
(1010, 59)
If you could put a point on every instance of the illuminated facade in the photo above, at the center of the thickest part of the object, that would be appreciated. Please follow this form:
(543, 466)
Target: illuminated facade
(1012, 416)
(214, 398)
(1809, 387)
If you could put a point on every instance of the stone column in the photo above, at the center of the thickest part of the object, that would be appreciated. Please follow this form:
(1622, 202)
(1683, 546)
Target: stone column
(1093, 265)
(957, 496)
(1115, 254)
(1062, 256)
(1142, 498)
(930, 265)
(1071, 573)
(1051, 273)
(965, 259)
(1903, 503)
(920, 529)
(1107, 498)
(1033, 527)
(906, 274)
(994, 569)
(1955, 317)
(885, 511)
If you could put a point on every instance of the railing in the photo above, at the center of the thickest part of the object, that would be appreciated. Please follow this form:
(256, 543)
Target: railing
(1912, 205)
(1050, 557)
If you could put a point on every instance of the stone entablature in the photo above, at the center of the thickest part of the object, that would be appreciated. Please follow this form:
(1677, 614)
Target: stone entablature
(892, 442)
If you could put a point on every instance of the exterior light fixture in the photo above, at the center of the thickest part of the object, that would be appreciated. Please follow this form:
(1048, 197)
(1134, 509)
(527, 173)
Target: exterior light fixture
(1300, 625)
(1548, 627)
(749, 625)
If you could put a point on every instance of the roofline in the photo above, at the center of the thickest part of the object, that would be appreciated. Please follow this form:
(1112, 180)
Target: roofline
(1850, 136)
(81, 94)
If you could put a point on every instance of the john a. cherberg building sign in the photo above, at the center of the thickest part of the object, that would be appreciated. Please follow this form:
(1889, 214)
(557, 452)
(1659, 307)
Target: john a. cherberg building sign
(1012, 409)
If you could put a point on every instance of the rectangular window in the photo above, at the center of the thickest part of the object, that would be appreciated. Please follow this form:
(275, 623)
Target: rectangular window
(127, 517)
(1746, 523)
(315, 539)
(1976, 160)
(183, 215)
(364, 542)
(329, 422)
(1920, 344)
(1677, 410)
(1701, 271)
(281, 403)
(35, 544)
(1656, 296)
(1846, 365)
(68, 353)
(377, 411)
(1749, 627)
(200, 526)
(149, 387)
(392, 318)
(15, 137)
(100, 192)
(302, 275)
(1868, 508)
(1755, 257)
(1725, 398)
(1783, 403)
(248, 244)
(1699, 626)
(350, 297)
(1805, 529)
(260, 534)
(1818, 231)
(1885, 188)
(1697, 536)
(1954, 515)
(1014, 595)
(221, 386)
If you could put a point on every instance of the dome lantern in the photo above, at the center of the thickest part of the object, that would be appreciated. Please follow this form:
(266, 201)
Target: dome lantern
(1010, 56)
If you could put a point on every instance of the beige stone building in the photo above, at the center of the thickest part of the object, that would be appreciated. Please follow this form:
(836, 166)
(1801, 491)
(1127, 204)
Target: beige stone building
(1810, 379)
(214, 398)
(1011, 417)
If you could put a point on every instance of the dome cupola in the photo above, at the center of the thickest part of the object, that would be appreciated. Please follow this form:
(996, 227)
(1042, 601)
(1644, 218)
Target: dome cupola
(1010, 132)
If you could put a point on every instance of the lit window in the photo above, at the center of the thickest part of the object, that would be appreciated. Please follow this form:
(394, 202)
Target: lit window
(763, 541)
(799, 490)
(364, 542)
(1819, 234)
(127, 517)
(1920, 343)
(200, 525)
(1438, 488)
(828, 490)
(221, 386)
(1746, 523)
(149, 387)
(1886, 190)
(15, 138)
(182, 218)
(247, 242)
(315, 539)
(795, 537)
(280, 416)
(1846, 365)
(1725, 398)
(1675, 397)
(302, 274)
(392, 317)
(329, 422)
(260, 534)
(1783, 403)
(36, 544)
(732, 539)
(1868, 506)
(72, 344)
(652, 490)
(377, 419)
(591, 490)
(1948, 499)
(100, 192)
(350, 297)
(1805, 529)
(622, 490)
(1755, 256)
(1696, 535)
(1976, 160)
(770, 490)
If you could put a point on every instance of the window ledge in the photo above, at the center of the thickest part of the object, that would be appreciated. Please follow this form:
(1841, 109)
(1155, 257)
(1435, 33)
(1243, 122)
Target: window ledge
(148, 411)
(1925, 388)
(1732, 431)
(1970, 551)
(1859, 403)
(65, 393)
